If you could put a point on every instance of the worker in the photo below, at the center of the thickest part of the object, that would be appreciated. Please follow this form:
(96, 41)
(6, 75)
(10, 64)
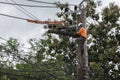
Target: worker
(82, 31)
(82, 35)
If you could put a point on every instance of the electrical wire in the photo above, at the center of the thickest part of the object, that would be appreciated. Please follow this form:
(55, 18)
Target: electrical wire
(2, 69)
(23, 75)
(24, 10)
(32, 71)
(13, 16)
(48, 2)
(21, 11)
(55, 4)
(28, 5)
(33, 21)
(41, 2)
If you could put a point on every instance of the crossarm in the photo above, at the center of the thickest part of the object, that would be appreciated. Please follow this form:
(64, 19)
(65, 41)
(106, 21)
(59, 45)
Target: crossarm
(74, 35)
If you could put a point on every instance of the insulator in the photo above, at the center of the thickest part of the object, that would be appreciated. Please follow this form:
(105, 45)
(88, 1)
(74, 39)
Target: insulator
(66, 9)
(75, 8)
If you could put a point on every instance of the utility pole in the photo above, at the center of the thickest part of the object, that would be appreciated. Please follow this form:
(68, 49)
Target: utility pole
(82, 54)
(82, 57)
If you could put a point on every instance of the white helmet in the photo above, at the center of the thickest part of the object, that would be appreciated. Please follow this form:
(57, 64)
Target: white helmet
(80, 25)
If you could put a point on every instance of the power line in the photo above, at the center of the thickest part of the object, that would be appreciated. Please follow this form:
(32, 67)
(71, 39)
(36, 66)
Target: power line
(34, 21)
(32, 71)
(41, 2)
(21, 10)
(2, 69)
(28, 5)
(27, 12)
(48, 2)
(13, 16)
(23, 75)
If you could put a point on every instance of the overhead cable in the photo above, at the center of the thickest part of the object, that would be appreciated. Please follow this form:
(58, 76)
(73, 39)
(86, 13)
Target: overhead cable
(13, 16)
(23, 10)
(23, 75)
(41, 2)
(34, 21)
(28, 5)
(48, 2)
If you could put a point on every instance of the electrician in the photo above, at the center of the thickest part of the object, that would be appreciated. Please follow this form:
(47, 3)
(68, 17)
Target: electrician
(82, 35)
(81, 31)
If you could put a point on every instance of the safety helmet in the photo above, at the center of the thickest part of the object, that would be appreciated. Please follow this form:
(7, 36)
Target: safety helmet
(80, 25)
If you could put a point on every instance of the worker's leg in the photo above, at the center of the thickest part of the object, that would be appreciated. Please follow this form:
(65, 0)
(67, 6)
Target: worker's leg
(81, 41)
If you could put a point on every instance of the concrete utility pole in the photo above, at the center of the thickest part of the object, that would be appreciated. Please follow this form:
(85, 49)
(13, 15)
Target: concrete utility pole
(82, 57)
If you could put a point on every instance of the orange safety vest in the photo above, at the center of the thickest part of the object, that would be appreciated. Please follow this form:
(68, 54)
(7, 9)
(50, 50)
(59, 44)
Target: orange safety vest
(82, 32)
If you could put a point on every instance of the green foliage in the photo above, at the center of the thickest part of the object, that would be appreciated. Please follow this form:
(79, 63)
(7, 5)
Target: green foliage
(104, 57)
(113, 15)
(52, 58)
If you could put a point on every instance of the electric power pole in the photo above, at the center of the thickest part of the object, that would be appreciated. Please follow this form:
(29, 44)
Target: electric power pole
(82, 57)
(82, 54)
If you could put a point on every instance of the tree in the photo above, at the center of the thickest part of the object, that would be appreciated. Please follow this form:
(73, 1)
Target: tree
(104, 53)
(44, 61)
(53, 58)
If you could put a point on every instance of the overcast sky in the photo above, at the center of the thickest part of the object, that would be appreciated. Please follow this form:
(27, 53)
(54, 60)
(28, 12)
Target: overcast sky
(23, 30)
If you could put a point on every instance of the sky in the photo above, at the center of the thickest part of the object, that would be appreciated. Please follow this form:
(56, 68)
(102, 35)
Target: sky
(23, 30)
